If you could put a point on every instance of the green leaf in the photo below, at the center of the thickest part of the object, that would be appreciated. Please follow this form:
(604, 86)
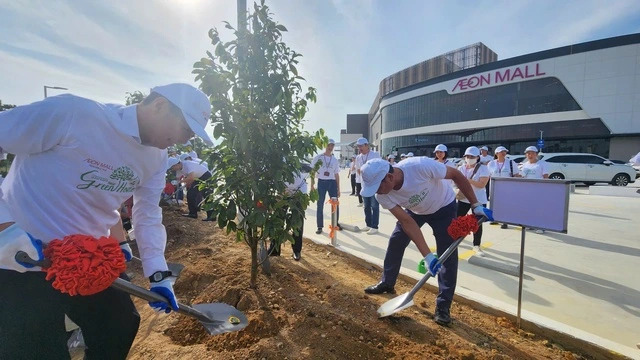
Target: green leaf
(281, 27)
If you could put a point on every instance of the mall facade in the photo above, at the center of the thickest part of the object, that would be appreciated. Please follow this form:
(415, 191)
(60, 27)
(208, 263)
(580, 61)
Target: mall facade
(578, 98)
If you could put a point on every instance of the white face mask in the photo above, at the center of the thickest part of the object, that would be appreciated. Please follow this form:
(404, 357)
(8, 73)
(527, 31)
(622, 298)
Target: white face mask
(470, 161)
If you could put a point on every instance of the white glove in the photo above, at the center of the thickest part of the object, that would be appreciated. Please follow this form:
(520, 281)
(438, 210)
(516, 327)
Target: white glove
(479, 210)
(164, 288)
(126, 251)
(14, 239)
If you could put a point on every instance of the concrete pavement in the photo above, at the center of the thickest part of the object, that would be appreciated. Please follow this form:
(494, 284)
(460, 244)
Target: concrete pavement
(583, 283)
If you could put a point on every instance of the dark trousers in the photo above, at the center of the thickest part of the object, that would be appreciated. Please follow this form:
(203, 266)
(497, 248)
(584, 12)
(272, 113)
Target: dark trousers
(296, 246)
(371, 212)
(486, 189)
(324, 187)
(32, 319)
(353, 184)
(398, 242)
(194, 195)
(358, 189)
(463, 209)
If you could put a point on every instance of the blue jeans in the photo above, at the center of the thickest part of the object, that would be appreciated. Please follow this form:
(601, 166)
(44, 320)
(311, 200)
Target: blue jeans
(398, 242)
(324, 186)
(371, 212)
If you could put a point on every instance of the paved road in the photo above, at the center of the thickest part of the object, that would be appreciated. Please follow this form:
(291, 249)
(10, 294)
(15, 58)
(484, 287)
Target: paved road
(585, 282)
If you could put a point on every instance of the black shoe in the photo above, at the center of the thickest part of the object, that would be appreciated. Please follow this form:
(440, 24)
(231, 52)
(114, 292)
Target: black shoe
(296, 256)
(209, 219)
(339, 227)
(319, 231)
(503, 226)
(190, 216)
(380, 288)
(442, 317)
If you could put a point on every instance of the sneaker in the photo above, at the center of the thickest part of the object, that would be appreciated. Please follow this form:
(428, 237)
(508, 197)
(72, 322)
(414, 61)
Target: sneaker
(539, 231)
(504, 226)
(209, 219)
(442, 317)
(360, 205)
(296, 256)
(380, 288)
(319, 231)
(478, 251)
(366, 228)
(372, 231)
(190, 216)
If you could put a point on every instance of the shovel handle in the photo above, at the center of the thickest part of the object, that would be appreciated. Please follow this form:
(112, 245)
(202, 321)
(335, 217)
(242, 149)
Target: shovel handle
(127, 287)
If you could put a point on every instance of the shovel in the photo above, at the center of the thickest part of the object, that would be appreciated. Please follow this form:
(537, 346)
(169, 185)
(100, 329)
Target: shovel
(405, 300)
(217, 318)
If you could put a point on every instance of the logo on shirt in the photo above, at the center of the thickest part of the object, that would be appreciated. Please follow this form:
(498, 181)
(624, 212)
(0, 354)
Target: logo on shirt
(416, 199)
(121, 180)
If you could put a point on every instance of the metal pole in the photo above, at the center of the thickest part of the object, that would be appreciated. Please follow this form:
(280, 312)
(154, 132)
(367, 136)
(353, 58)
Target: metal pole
(45, 92)
(521, 275)
(334, 221)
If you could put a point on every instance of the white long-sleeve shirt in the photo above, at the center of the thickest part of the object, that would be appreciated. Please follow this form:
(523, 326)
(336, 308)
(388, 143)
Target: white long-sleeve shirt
(76, 161)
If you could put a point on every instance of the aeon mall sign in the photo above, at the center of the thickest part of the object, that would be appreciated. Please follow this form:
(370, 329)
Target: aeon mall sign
(498, 77)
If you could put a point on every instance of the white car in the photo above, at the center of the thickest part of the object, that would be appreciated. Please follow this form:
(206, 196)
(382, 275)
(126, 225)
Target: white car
(588, 168)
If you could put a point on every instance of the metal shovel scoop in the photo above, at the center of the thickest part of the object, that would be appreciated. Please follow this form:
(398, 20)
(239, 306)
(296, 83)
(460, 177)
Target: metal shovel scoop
(217, 318)
(406, 300)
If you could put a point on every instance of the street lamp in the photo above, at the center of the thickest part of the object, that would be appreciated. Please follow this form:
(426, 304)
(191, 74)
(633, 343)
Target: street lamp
(52, 87)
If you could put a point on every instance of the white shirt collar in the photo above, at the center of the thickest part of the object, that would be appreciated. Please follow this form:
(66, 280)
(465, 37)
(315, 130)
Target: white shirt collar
(128, 122)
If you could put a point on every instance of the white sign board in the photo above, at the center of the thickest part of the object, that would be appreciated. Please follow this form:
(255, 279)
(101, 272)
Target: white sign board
(535, 203)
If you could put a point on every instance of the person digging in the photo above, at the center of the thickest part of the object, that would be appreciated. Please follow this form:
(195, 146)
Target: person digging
(76, 161)
(413, 191)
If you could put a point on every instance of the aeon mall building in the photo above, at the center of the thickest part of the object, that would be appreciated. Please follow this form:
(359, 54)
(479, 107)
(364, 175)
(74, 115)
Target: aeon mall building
(580, 98)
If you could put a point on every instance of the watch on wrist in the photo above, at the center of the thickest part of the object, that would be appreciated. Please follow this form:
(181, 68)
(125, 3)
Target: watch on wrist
(159, 276)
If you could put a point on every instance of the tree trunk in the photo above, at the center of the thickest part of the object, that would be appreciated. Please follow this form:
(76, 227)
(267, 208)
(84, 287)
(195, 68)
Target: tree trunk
(254, 262)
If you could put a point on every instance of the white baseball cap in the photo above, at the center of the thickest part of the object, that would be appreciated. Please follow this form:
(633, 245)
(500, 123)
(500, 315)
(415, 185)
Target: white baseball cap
(472, 150)
(331, 141)
(194, 104)
(500, 149)
(392, 156)
(362, 141)
(441, 147)
(172, 161)
(484, 148)
(403, 155)
(184, 156)
(409, 154)
(531, 148)
(373, 172)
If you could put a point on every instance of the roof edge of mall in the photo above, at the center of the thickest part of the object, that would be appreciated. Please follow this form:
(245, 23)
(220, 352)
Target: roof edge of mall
(577, 98)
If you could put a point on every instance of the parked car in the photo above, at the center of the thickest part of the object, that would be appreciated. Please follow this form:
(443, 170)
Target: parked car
(588, 168)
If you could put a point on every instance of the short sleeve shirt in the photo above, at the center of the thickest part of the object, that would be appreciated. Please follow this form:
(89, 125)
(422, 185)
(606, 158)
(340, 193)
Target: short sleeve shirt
(535, 170)
(189, 166)
(423, 191)
(329, 167)
(503, 169)
(362, 159)
(481, 193)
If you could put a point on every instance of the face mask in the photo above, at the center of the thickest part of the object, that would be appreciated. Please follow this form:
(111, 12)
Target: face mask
(470, 161)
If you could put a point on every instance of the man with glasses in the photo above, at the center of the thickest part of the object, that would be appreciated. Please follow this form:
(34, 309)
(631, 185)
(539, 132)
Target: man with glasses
(76, 161)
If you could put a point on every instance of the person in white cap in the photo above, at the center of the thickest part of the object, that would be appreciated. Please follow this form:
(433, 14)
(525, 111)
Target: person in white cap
(502, 167)
(84, 159)
(478, 176)
(534, 169)
(403, 156)
(328, 182)
(409, 155)
(371, 206)
(392, 159)
(413, 191)
(192, 173)
(485, 158)
(441, 155)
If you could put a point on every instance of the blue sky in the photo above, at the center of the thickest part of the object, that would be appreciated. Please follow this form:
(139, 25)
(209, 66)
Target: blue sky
(102, 49)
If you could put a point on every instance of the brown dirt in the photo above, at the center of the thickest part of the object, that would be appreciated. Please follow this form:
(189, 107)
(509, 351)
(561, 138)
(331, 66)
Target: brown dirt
(312, 309)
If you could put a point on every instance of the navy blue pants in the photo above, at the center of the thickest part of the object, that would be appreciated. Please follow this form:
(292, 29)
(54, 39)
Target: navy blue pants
(324, 186)
(371, 211)
(398, 242)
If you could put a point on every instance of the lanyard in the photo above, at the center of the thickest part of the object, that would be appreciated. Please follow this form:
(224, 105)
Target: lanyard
(326, 165)
(500, 167)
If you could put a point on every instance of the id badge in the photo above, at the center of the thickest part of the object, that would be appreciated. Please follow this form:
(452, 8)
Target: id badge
(326, 173)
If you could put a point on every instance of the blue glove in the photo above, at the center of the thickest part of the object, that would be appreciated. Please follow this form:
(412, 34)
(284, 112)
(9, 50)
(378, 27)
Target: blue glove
(126, 251)
(432, 263)
(164, 288)
(14, 239)
(480, 210)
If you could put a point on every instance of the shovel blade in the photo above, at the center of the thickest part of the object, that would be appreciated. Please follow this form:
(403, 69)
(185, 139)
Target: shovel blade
(396, 304)
(175, 269)
(224, 318)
